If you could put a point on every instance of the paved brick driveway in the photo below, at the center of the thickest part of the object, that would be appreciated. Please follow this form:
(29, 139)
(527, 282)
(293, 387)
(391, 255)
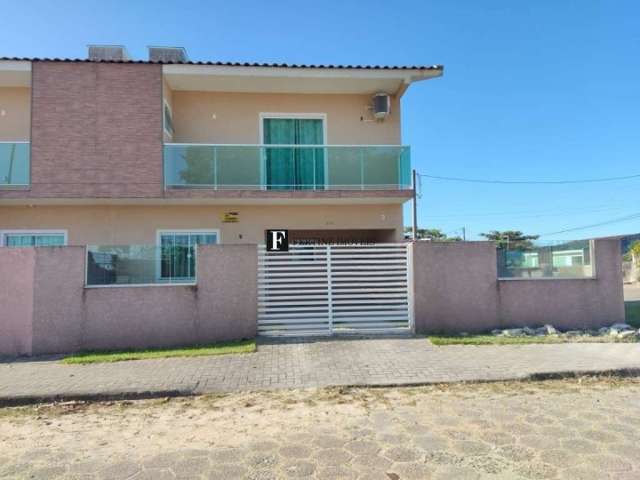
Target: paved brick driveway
(314, 363)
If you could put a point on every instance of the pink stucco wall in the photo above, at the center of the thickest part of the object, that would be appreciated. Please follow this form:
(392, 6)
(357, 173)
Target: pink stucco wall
(46, 309)
(457, 289)
(455, 286)
(568, 304)
(16, 300)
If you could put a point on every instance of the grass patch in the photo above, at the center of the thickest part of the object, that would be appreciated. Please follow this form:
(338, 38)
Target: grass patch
(243, 346)
(441, 340)
(632, 313)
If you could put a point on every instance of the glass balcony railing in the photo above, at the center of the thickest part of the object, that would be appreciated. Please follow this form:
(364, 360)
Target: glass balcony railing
(287, 167)
(14, 164)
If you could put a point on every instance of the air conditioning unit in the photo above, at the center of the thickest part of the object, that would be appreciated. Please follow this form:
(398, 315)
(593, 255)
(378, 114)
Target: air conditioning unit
(381, 106)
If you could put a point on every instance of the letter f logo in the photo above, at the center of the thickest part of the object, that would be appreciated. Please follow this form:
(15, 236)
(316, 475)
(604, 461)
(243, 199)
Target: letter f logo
(277, 240)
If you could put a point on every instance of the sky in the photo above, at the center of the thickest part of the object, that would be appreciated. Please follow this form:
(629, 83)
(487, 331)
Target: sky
(543, 90)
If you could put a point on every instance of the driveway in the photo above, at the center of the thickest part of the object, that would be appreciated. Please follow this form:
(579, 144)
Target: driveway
(566, 429)
(311, 363)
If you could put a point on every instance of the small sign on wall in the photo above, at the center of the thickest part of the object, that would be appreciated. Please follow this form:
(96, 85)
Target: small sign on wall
(277, 240)
(231, 217)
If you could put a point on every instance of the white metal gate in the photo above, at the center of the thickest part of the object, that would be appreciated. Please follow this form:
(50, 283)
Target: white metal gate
(328, 289)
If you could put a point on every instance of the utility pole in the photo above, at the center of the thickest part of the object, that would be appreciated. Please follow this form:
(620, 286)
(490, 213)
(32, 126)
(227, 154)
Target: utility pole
(415, 208)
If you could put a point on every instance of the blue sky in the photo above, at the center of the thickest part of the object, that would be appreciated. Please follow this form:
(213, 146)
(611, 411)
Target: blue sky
(544, 90)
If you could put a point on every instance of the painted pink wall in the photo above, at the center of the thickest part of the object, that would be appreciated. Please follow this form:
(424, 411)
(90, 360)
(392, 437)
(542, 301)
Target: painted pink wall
(455, 286)
(46, 309)
(16, 300)
(58, 294)
(568, 304)
(221, 307)
(456, 289)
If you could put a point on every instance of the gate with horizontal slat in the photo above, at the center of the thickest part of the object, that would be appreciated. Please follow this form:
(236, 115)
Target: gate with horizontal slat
(330, 289)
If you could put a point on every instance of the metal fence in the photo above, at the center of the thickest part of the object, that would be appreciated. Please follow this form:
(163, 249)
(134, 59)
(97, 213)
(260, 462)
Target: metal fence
(339, 288)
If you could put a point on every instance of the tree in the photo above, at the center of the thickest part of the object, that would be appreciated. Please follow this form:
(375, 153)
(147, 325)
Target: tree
(634, 249)
(511, 239)
(433, 234)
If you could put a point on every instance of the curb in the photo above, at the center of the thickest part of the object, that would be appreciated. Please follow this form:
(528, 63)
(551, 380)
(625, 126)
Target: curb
(26, 400)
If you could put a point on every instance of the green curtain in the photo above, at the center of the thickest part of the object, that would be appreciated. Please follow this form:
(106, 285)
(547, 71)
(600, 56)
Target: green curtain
(294, 168)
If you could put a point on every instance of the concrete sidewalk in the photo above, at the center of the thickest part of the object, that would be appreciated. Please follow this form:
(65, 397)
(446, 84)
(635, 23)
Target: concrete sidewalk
(308, 363)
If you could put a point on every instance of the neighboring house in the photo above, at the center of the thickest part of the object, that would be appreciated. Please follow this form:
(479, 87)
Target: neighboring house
(168, 152)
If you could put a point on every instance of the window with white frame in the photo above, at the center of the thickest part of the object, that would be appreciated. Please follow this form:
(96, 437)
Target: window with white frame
(178, 251)
(33, 238)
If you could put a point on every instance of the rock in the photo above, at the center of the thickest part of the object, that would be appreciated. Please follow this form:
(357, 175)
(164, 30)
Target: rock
(546, 330)
(528, 331)
(603, 331)
(627, 333)
(496, 332)
(574, 333)
(513, 332)
(621, 327)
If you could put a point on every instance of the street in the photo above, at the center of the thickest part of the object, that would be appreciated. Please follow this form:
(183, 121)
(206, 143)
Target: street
(566, 429)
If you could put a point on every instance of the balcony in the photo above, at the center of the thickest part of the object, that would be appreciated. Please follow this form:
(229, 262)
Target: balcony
(287, 167)
(14, 164)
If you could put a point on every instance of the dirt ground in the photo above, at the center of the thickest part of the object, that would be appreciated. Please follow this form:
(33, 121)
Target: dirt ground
(555, 429)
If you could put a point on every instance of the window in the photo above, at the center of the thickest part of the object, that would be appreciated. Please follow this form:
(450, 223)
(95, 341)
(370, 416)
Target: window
(177, 251)
(40, 238)
(168, 119)
(568, 258)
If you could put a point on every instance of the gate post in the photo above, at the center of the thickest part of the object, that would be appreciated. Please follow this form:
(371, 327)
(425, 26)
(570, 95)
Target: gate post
(410, 288)
(329, 291)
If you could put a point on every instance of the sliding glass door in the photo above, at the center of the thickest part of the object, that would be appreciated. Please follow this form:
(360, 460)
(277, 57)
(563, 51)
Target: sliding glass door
(289, 167)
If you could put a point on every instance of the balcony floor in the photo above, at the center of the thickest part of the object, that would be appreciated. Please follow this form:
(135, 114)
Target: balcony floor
(311, 196)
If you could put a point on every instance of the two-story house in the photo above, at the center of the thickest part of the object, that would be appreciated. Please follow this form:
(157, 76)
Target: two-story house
(113, 151)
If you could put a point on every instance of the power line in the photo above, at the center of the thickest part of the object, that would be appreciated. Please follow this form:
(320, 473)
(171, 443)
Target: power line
(593, 225)
(531, 214)
(528, 182)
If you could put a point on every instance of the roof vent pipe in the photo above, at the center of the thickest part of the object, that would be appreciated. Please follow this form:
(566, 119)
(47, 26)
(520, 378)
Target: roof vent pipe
(168, 55)
(108, 53)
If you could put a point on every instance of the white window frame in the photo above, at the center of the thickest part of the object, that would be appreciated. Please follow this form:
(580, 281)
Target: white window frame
(284, 115)
(182, 231)
(5, 233)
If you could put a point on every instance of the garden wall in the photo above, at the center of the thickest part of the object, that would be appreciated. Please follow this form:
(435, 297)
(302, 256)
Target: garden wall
(457, 289)
(47, 309)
